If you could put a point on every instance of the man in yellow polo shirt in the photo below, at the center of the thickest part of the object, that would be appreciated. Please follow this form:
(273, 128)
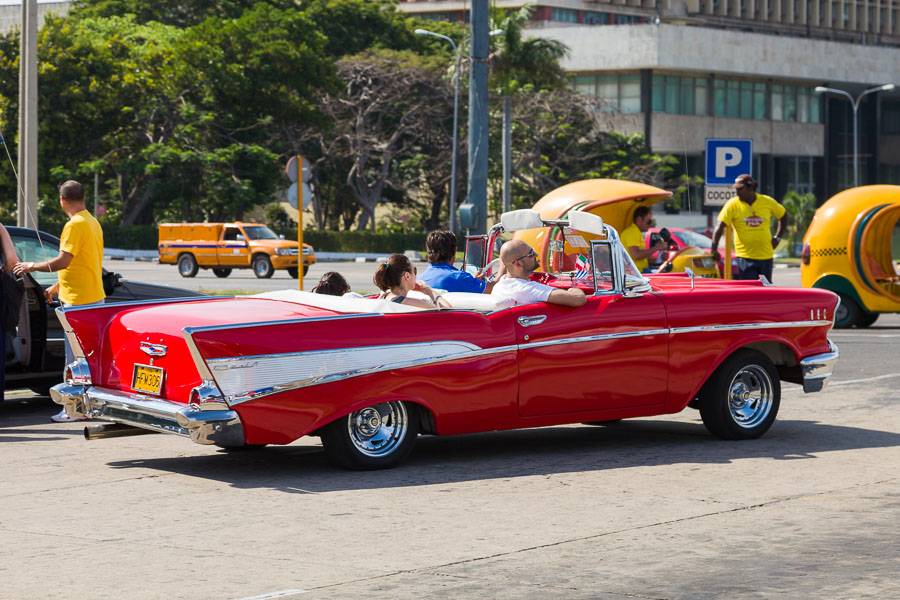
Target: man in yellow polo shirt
(80, 260)
(751, 215)
(632, 238)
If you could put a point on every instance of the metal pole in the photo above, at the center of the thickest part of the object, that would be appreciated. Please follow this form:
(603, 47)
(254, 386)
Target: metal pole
(855, 142)
(507, 150)
(478, 116)
(455, 142)
(28, 115)
(887, 87)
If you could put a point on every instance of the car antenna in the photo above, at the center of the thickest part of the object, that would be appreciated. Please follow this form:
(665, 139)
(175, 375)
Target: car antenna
(22, 192)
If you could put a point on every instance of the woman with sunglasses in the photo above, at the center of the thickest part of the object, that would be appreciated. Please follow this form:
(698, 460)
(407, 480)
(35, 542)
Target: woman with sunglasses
(396, 277)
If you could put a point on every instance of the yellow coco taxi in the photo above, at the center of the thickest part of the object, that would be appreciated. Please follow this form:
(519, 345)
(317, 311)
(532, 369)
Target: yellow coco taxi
(848, 250)
(615, 201)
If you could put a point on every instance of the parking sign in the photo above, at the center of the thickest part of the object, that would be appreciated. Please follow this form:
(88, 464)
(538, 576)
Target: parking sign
(726, 159)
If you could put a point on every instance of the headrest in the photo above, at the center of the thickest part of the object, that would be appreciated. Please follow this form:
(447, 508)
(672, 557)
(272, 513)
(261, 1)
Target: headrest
(518, 220)
(586, 222)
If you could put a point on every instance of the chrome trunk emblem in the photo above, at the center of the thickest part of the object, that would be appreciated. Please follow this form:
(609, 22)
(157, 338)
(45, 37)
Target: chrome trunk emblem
(151, 349)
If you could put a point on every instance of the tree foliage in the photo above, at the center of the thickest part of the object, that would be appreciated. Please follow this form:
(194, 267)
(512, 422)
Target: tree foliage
(188, 111)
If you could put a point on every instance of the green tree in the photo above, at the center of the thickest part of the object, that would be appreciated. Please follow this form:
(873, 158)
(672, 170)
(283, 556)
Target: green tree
(800, 210)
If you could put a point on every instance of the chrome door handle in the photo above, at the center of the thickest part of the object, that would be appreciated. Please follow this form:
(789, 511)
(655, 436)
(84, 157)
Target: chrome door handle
(529, 321)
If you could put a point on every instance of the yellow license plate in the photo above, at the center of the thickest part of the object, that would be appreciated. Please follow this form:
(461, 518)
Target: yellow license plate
(147, 379)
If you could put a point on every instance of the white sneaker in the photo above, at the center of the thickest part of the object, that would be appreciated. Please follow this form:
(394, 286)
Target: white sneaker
(63, 417)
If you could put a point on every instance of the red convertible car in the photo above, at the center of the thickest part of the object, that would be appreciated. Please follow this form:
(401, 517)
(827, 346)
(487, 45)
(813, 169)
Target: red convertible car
(368, 376)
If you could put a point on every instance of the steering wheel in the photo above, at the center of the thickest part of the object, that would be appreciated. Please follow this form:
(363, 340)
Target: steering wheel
(490, 268)
(666, 266)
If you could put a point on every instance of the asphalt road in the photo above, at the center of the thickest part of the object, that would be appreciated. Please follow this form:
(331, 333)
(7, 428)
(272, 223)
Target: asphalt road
(650, 508)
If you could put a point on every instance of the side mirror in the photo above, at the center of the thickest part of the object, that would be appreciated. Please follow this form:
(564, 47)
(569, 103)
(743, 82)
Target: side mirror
(111, 281)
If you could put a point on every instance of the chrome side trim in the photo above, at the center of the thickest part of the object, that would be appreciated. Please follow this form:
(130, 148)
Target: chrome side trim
(738, 326)
(77, 372)
(303, 383)
(243, 377)
(221, 427)
(595, 338)
(817, 369)
(145, 302)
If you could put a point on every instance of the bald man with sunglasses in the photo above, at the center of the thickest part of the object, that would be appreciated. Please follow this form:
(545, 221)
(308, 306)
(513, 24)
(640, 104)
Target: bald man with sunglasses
(521, 261)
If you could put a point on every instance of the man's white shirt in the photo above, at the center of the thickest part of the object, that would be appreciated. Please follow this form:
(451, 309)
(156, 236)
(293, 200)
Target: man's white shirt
(523, 291)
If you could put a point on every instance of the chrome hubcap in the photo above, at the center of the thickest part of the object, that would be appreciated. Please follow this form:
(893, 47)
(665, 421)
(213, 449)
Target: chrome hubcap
(751, 396)
(378, 430)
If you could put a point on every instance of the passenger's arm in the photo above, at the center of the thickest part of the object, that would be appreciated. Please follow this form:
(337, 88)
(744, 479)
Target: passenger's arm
(570, 297)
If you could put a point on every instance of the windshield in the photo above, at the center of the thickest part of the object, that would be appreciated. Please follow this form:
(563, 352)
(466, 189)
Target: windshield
(692, 238)
(259, 232)
(30, 250)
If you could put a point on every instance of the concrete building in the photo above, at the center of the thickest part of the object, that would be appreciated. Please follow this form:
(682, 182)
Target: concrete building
(11, 14)
(682, 71)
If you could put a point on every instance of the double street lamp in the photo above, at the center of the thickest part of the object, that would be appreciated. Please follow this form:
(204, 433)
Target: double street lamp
(855, 102)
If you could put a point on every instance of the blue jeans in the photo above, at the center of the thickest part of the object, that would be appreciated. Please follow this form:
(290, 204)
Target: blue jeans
(751, 269)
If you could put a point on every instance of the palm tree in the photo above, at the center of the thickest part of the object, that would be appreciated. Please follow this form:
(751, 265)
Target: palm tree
(517, 63)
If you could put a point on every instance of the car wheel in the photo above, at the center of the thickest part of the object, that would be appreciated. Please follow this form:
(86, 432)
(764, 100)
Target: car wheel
(741, 399)
(847, 313)
(292, 271)
(262, 266)
(375, 437)
(305, 270)
(866, 318)
(187, 265)
(222, 271)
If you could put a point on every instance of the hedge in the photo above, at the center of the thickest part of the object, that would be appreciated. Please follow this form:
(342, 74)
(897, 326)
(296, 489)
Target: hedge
(146, 237)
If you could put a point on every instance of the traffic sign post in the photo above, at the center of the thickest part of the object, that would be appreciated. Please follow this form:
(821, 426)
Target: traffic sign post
(725, 160)
(299, 196)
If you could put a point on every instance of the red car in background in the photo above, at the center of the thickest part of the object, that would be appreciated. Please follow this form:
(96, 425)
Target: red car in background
(681, 239)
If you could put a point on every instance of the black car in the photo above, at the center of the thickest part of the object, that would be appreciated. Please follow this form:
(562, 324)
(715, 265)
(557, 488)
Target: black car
(35, 353)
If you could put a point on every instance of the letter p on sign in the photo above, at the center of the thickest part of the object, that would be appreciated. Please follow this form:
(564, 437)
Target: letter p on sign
(726, 159)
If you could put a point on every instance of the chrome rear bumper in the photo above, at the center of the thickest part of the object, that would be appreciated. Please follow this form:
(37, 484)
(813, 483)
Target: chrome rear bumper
(817, 369)
(219, 427)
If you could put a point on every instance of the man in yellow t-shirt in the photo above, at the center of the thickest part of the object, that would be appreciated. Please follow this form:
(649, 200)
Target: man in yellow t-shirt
(751, 215)
(632, 237)
(80, 260)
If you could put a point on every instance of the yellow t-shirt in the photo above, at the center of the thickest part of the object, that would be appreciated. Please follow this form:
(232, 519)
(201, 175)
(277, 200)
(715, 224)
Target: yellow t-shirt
(632, 236)
(752, 225)
(82, 281)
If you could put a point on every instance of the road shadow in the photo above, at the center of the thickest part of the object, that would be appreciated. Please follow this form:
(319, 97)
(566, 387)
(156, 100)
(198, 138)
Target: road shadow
(519, 453)
(16, 413)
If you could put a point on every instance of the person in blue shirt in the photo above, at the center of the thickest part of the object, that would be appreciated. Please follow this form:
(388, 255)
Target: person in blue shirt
(441, 274)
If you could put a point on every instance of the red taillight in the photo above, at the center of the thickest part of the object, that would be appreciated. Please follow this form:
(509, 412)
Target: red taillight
(804, 254)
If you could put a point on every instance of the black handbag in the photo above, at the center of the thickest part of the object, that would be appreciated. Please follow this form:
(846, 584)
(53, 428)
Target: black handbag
(13, 293)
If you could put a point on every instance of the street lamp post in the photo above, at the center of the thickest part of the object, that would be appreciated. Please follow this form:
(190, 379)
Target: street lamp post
(855, 102)
(455, 126)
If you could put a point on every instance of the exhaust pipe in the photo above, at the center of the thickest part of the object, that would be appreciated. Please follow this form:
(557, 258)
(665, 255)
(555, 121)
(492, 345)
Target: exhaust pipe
(99, 431)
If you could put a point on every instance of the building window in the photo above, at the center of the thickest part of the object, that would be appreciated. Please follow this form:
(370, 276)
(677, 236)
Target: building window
(593, 17)
(795, 103)
(890, 117)
(628, 19)
(438, 16)
(620, 91)
(566, 15)
(679, 95)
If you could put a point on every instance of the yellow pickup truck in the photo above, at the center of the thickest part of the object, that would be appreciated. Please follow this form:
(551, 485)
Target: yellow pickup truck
(226, 246)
